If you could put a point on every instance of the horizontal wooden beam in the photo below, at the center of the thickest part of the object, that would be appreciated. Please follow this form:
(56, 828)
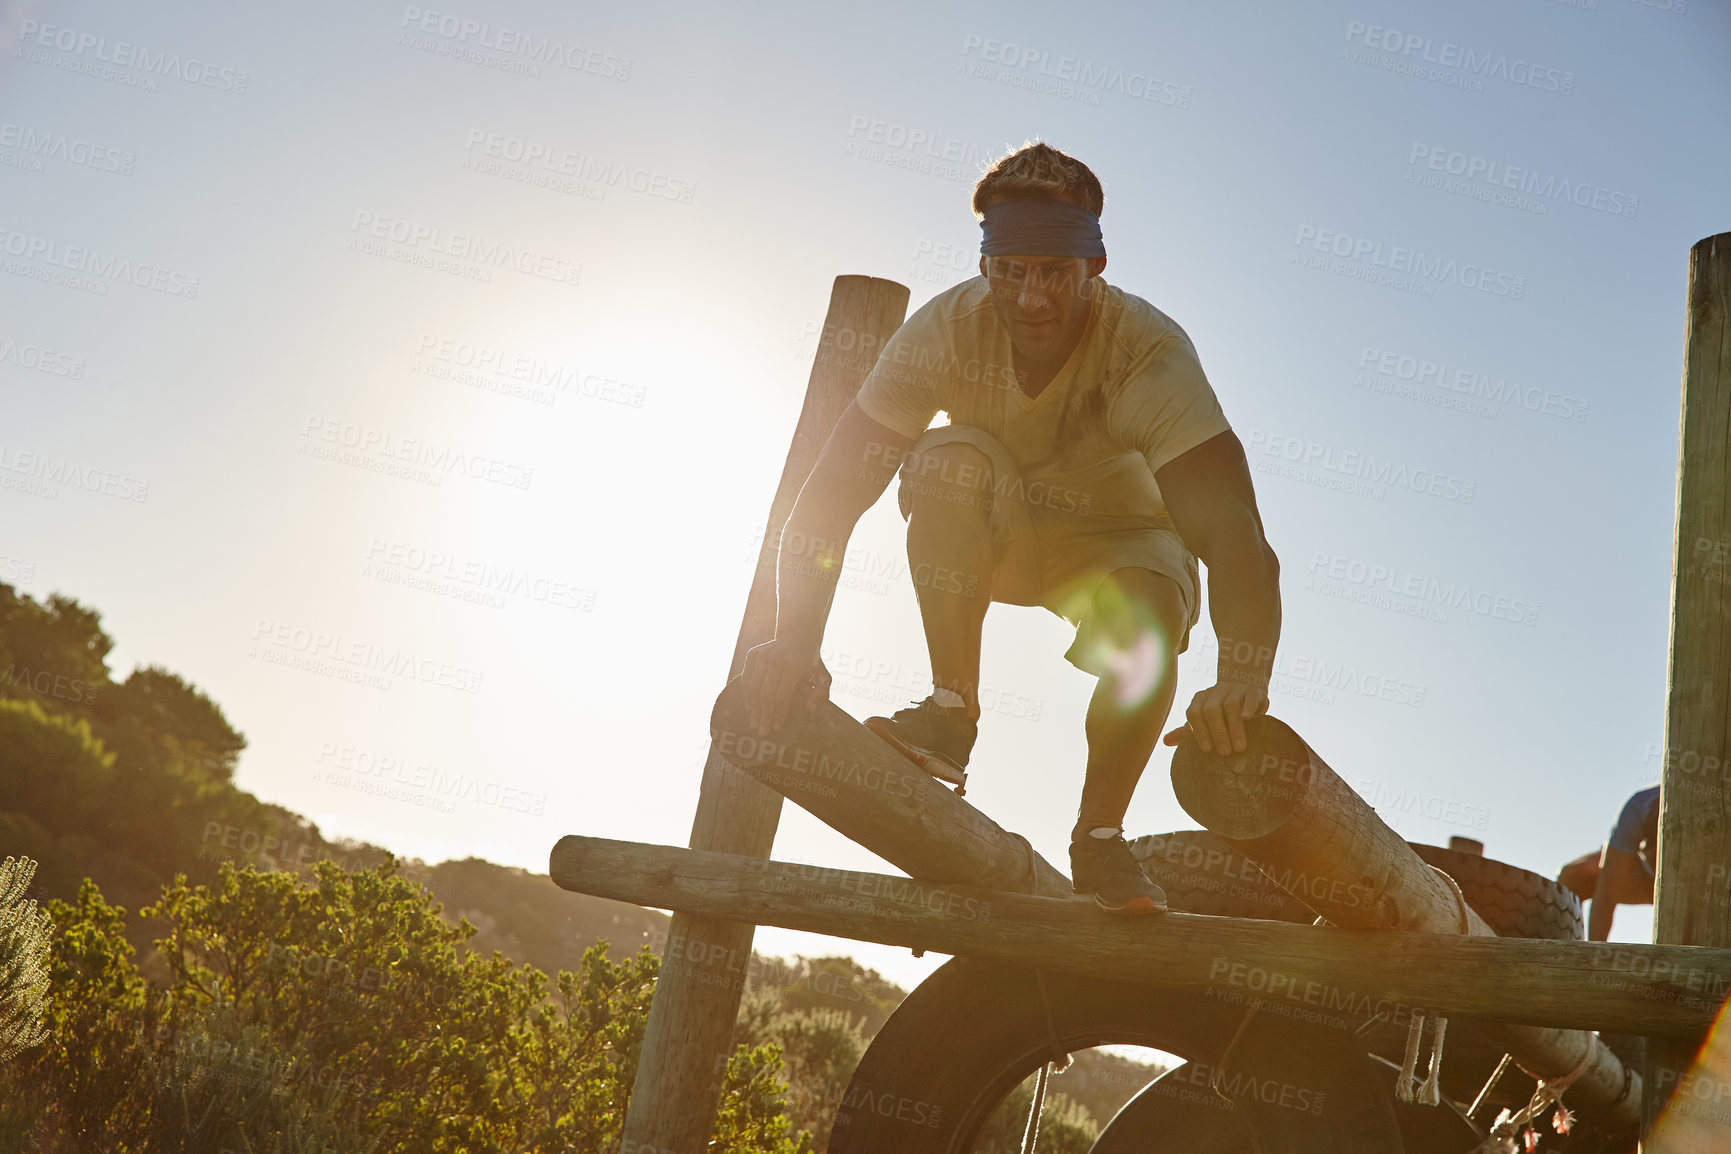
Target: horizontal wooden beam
(1313, 972)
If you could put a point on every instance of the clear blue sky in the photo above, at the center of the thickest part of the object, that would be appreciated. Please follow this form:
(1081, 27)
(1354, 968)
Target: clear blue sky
(267, 274)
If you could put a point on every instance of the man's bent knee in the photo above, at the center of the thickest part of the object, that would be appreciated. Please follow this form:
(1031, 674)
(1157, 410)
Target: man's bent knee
(1131, 601)
(953, 476)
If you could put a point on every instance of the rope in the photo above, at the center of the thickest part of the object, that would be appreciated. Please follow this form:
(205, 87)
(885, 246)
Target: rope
(1060, 1060)
(1409, 1064)
(1220, 1063)
(1549, 1091)
(1032, 1134)
(1429, 1091)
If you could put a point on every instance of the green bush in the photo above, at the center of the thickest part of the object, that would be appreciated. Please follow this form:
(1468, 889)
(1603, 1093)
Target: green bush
(337, 1013)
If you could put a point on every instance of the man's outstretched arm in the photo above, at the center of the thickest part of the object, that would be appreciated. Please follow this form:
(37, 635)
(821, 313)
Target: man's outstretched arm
(855, 467)
(1622, 881)
(1213, 506)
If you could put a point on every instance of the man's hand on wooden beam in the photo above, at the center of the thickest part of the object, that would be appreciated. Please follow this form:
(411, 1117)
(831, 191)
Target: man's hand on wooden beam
(1217, 715)
(775, 673)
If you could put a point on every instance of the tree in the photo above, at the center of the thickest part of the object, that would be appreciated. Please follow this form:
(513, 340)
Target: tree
(25, 933)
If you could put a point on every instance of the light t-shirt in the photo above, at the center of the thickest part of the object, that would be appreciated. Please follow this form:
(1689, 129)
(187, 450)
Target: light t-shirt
(1133, 384)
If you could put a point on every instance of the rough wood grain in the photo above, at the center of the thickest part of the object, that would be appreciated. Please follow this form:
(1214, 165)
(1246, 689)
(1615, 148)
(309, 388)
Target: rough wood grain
(690, 1028)
(1281, 805)
(1310, 970)
(855, 782)
(1692, 891)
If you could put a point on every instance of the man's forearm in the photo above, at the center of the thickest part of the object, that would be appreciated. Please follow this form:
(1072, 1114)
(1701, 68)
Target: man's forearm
(808, 565)
(1600, 915)
(1244, 605)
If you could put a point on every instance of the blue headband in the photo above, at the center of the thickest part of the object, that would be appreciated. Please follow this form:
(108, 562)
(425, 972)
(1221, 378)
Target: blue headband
(1039, 226)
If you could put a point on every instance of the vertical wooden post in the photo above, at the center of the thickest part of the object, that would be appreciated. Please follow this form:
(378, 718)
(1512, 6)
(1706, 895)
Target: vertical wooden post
(1692, 897)
(690, 1029)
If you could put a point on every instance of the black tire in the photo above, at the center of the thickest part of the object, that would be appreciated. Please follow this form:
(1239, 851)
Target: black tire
(1173, 1109)
(1517, 903)
(971, 1032)
(1158, 1114)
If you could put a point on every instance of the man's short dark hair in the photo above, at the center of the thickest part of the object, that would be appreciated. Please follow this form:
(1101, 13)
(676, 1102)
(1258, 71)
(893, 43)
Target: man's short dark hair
(1038, 169)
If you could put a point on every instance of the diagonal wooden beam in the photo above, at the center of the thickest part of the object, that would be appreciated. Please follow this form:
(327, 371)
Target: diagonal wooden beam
(852, 780)
(1280, 804)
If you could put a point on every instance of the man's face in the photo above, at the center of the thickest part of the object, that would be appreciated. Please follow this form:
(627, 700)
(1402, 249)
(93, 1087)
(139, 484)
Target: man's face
(1042, 300)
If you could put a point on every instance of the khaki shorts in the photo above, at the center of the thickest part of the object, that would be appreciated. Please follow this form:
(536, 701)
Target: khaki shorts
(1057, 536)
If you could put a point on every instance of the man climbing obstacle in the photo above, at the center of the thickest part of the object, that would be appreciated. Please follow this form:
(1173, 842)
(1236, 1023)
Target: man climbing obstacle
(1621, 873)
(1086, 467)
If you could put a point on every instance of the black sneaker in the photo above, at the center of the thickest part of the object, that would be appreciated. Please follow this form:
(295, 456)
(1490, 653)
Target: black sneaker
(1105, 867)
(933, 737)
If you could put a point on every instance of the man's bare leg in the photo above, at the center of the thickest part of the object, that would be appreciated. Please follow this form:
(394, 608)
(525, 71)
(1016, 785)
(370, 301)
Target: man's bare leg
(1143, 618)
(950, 559)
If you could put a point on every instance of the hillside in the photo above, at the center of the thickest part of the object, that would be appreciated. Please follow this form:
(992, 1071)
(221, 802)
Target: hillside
(130, 783)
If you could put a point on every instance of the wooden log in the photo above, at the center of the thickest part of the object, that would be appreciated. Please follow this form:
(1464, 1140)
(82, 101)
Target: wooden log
(1309, 972)
(855, 782)
(690, 1028)
(1280, 804)
(1692, 890)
